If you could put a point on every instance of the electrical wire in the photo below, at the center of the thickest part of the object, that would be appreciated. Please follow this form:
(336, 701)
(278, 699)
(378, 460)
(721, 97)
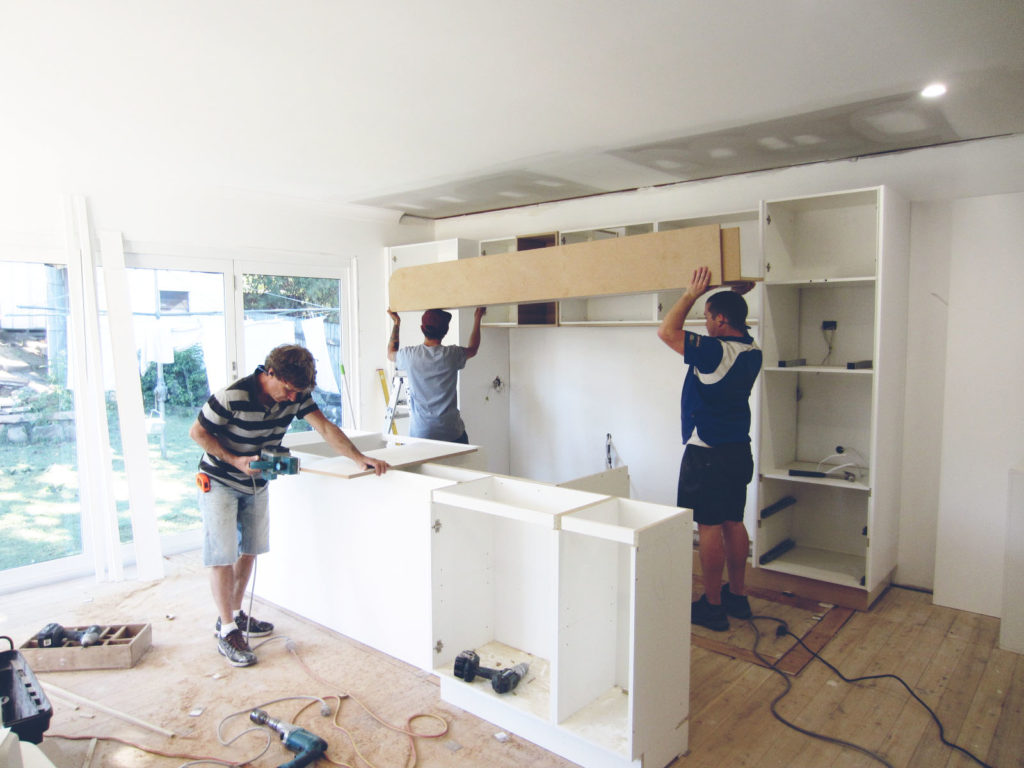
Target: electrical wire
(408, 731)
(783, 629)
(829, 336)
(325, 710)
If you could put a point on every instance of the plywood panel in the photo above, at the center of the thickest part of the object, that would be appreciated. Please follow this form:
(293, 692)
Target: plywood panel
(636, 264)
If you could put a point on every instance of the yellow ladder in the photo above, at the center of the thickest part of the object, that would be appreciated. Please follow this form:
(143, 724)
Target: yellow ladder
(396, 398)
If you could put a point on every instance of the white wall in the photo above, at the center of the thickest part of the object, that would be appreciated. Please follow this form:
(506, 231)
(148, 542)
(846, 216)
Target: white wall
(643, 413)
(983, 414)
(928, 303)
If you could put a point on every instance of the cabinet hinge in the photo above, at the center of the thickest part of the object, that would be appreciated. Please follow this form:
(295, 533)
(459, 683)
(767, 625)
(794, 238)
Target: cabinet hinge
(768, 219)
(438, 646)
(437, 526)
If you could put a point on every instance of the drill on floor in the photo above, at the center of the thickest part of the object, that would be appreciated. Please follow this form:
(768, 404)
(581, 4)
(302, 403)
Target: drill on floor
(467, 667)
(308, 747)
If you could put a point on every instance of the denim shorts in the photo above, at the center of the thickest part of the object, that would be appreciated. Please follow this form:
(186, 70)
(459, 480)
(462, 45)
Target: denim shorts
(234, 523)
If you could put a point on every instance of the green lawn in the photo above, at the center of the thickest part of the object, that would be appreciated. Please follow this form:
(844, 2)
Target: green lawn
(39, 504)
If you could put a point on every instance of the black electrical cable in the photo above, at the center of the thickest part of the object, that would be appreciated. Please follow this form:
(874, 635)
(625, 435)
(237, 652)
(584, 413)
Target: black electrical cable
(782, 630)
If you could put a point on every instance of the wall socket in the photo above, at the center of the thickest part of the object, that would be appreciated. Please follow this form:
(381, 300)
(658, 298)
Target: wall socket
(828, 325)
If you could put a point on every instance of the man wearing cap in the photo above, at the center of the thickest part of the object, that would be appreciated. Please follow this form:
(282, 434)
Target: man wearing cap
(717, 461)
(433, 371)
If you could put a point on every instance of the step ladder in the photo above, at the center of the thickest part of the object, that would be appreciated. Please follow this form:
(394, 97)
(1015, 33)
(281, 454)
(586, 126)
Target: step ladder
(397, 398)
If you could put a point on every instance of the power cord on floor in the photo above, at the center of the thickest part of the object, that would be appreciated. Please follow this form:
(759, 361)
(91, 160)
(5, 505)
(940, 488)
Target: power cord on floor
(325, 710)
(781, 631)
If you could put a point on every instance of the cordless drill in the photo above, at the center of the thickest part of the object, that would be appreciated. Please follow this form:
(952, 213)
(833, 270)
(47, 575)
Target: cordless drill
(308, 747)
(467, 667)
(53, 635)
(275, 461)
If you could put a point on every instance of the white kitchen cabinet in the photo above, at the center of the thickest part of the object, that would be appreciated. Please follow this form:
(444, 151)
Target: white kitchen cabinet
(590, 591)
(834, 338)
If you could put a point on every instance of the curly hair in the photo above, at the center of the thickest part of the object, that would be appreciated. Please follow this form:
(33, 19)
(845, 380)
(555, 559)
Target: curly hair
(292, 364)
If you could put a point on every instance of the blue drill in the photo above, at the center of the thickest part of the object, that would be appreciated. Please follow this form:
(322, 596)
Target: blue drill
(308, 747)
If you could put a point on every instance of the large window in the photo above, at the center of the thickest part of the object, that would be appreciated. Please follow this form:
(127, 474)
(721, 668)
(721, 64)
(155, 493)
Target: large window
(40, 510)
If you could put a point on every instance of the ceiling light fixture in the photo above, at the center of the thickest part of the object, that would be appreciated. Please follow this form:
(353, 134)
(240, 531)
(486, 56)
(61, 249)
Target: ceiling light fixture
(933, 91)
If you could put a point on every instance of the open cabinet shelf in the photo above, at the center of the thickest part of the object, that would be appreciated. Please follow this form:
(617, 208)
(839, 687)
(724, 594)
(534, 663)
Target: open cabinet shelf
(833, 335)
(583, 588)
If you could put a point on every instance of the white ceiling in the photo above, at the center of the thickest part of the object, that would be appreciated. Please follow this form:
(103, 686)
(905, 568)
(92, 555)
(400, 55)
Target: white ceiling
(438, 109)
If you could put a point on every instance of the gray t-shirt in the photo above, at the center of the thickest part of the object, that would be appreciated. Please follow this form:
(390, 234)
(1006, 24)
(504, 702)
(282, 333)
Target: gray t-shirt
(433, 380)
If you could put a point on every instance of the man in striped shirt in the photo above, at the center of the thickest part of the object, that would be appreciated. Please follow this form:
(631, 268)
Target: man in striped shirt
(717, 462)
(232, 428)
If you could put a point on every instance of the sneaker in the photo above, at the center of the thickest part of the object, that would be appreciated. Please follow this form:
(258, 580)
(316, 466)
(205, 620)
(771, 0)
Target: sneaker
(256, 627)
(736, 606)
(235, 649)
(704, 614)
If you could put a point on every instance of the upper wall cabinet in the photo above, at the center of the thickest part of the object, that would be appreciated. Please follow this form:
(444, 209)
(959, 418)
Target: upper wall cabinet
(535, 276)
(834, 338)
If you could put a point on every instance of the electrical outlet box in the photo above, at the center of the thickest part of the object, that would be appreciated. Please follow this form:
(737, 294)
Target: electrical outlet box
(828, 325)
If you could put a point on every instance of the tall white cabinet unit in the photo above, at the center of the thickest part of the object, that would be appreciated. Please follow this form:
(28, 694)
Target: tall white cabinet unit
(834, 321)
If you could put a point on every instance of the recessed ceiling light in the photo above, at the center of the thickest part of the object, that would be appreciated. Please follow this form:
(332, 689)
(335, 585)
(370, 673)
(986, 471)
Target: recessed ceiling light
(934, 90)
(449, 199)
(547, 183)
(510, 193)
(897, 121)
(773, 142)
(720, 153)
(807, 139)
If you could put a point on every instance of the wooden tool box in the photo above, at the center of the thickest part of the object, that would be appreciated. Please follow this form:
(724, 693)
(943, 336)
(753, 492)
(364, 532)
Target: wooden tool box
(120, 647)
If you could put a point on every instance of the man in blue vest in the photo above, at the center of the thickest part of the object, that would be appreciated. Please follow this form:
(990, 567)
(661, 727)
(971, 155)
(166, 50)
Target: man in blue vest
(717, 461)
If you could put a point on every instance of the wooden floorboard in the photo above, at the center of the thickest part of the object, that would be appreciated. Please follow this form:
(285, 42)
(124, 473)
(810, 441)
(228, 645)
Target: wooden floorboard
(949, 657)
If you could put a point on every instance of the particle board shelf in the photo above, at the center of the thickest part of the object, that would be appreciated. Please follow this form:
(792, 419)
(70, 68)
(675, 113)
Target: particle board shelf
(642, 263)
(398, 451)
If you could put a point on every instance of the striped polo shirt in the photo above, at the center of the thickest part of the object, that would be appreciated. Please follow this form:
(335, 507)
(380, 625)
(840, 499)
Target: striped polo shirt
(237, 418)
(715, 404)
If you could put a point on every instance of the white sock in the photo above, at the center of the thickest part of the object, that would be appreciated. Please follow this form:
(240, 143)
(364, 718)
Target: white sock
(227, 629)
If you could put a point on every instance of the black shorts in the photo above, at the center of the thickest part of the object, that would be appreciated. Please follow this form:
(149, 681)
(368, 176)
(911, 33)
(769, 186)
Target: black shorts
(713, 482)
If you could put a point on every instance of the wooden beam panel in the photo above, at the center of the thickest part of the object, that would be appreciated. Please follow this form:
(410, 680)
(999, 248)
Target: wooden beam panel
(636, 264)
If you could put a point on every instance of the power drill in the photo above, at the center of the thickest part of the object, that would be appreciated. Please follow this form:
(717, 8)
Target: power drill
(275, 461)
(308, 747)
(467, 667)
(53, 635)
